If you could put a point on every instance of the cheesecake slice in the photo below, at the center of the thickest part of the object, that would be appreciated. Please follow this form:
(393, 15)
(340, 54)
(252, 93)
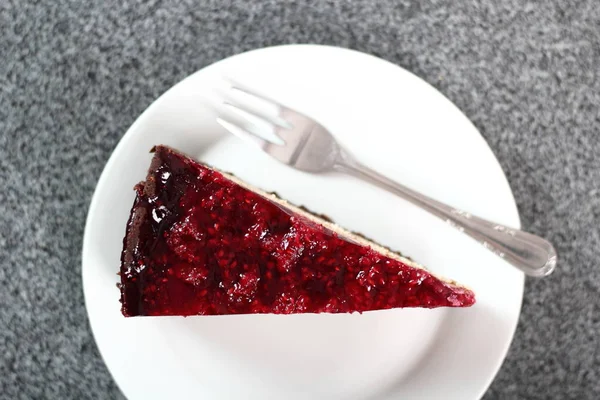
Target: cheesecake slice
(201, 242)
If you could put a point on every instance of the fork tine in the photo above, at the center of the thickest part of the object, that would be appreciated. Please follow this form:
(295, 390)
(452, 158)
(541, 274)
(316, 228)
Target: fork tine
(253, 92)
(244, 106)
(234, 125)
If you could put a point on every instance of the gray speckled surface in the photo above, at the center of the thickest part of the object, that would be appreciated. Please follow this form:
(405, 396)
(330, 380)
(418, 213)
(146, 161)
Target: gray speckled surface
(74, 75)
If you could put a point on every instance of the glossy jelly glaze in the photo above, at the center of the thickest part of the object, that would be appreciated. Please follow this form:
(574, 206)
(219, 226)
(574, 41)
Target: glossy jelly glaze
(197, 243)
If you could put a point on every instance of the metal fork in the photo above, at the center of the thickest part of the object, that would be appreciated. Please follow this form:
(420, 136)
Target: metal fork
(308, 146)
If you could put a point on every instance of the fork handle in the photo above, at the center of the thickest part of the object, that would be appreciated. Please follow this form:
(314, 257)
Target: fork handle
(529, 253)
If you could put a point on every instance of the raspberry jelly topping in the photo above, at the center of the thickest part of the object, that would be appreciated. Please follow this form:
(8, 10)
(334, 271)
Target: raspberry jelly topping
(198, 243)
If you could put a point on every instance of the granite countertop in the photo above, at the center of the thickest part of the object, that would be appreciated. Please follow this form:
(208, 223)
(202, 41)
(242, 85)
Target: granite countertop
(74, 75)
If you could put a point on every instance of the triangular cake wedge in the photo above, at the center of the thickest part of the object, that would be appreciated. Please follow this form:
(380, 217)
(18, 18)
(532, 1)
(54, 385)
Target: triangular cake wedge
(201, 242)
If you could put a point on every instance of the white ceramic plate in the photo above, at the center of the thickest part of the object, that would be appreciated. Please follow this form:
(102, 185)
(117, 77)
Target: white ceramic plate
(392, 121)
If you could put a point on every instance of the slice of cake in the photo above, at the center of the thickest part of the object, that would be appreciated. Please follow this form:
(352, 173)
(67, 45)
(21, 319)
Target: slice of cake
(201, 242)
